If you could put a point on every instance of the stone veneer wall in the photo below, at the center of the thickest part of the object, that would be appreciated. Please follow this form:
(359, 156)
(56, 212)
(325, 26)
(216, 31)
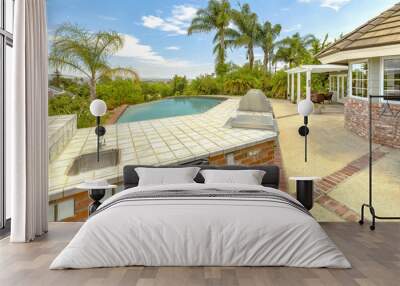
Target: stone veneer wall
(386, 129)
(263, 153)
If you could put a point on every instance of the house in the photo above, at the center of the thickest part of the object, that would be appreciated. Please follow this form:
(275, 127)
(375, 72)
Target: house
(372, 53)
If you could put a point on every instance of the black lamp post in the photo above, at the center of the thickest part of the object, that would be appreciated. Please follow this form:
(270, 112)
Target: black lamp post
(98, 108)
(305, 108)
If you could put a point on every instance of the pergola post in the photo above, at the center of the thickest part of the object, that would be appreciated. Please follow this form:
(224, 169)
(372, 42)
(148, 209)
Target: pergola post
(288, 85)
(292, 89)
(298, 87)
(308, 85)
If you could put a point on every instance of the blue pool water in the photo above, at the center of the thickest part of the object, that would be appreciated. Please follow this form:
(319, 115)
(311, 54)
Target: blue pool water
(168, 108)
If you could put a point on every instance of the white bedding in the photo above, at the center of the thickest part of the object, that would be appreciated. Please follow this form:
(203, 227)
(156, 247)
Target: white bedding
(200, 231)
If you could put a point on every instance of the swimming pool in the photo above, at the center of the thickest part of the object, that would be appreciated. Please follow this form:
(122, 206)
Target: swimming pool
(168, 108)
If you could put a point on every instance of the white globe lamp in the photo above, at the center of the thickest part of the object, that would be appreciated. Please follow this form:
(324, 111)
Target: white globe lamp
(305, 107)
(98, 107)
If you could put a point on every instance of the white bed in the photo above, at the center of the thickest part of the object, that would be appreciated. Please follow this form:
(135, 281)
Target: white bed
(201, 231)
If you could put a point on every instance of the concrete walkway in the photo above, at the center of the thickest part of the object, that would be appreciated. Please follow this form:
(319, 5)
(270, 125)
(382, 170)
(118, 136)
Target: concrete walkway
(340, 157)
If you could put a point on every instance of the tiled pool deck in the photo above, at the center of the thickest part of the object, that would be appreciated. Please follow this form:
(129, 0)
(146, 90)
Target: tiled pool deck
(155, 142)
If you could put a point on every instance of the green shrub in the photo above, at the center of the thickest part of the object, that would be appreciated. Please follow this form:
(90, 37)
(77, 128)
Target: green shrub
(157, 88)
(178, 85)
(119, 91)
(66, 104)
(237, 86)
(204, 85)
(148, 97)
(278, 85)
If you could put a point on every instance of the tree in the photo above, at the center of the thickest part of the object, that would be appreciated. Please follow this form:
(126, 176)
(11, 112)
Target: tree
(246, 33)
(294, 50)
(87, 53)
(266, 36)
(216, 17)
(316, 46)
(178, 85)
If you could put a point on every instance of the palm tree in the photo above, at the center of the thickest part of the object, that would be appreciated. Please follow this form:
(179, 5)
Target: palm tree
(246, 35)
(266, 37)
(217, 17)
(294, 50)
(81, 51)
(316, 46)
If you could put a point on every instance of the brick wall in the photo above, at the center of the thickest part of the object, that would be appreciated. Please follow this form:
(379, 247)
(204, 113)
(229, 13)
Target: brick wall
(263, 153)
(386, 129)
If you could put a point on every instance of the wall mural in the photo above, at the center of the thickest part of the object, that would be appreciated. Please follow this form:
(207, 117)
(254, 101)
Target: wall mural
(177, 87)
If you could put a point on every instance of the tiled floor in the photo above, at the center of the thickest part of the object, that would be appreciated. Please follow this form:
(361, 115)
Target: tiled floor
(156, 142)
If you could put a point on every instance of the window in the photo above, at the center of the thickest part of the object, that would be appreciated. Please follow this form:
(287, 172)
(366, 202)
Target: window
(6, 42)
(359, 82)
(391, 77)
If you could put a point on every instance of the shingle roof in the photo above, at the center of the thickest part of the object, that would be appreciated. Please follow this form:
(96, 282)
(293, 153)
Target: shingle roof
(380, 31)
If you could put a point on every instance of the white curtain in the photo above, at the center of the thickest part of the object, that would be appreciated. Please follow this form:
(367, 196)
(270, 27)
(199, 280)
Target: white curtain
(26, 123)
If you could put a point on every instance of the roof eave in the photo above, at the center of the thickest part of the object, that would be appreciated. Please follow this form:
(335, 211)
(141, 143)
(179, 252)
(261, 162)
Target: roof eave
(364, 53)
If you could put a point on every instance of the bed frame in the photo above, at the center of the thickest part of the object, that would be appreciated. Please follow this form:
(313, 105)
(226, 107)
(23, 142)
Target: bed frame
(270, 179)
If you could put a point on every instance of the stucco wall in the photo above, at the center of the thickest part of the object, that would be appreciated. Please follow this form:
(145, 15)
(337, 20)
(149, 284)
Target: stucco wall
(374, 65)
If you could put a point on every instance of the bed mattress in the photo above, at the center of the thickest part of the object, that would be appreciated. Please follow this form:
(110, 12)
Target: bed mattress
(201, 225)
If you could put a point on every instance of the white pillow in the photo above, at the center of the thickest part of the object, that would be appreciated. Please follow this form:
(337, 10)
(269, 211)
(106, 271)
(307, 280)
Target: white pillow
(246, 177)
(166, 176)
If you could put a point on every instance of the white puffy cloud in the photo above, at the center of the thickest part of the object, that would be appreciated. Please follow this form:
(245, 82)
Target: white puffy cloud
(133, 48)
(150, 64)
(176, 24)
(333, 4)
(184, 13)
(173, 48)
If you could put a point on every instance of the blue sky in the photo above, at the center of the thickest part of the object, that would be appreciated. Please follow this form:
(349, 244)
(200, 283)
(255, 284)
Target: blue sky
(155, 41)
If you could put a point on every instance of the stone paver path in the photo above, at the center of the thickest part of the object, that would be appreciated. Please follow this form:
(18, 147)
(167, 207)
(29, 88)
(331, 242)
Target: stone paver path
(330, 182)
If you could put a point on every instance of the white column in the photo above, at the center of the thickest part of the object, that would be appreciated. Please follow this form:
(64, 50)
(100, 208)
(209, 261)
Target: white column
(298, 87)
(308, 85)
(292, 90)
(330, 83)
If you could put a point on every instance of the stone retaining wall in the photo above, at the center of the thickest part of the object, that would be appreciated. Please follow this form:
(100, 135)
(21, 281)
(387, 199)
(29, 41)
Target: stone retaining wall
(259, 154)
(61, 130)
(386, 128)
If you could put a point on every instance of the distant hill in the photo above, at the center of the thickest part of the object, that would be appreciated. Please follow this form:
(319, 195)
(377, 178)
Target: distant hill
(52, 75)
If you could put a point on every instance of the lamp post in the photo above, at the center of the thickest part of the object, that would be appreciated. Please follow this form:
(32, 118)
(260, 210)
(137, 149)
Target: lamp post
(98, 108)
(305, 108)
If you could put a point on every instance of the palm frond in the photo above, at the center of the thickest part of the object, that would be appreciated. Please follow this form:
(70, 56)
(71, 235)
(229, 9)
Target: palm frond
(122, 72)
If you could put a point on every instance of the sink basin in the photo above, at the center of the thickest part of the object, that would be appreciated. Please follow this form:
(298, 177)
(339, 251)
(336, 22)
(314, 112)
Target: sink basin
(88, 162)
